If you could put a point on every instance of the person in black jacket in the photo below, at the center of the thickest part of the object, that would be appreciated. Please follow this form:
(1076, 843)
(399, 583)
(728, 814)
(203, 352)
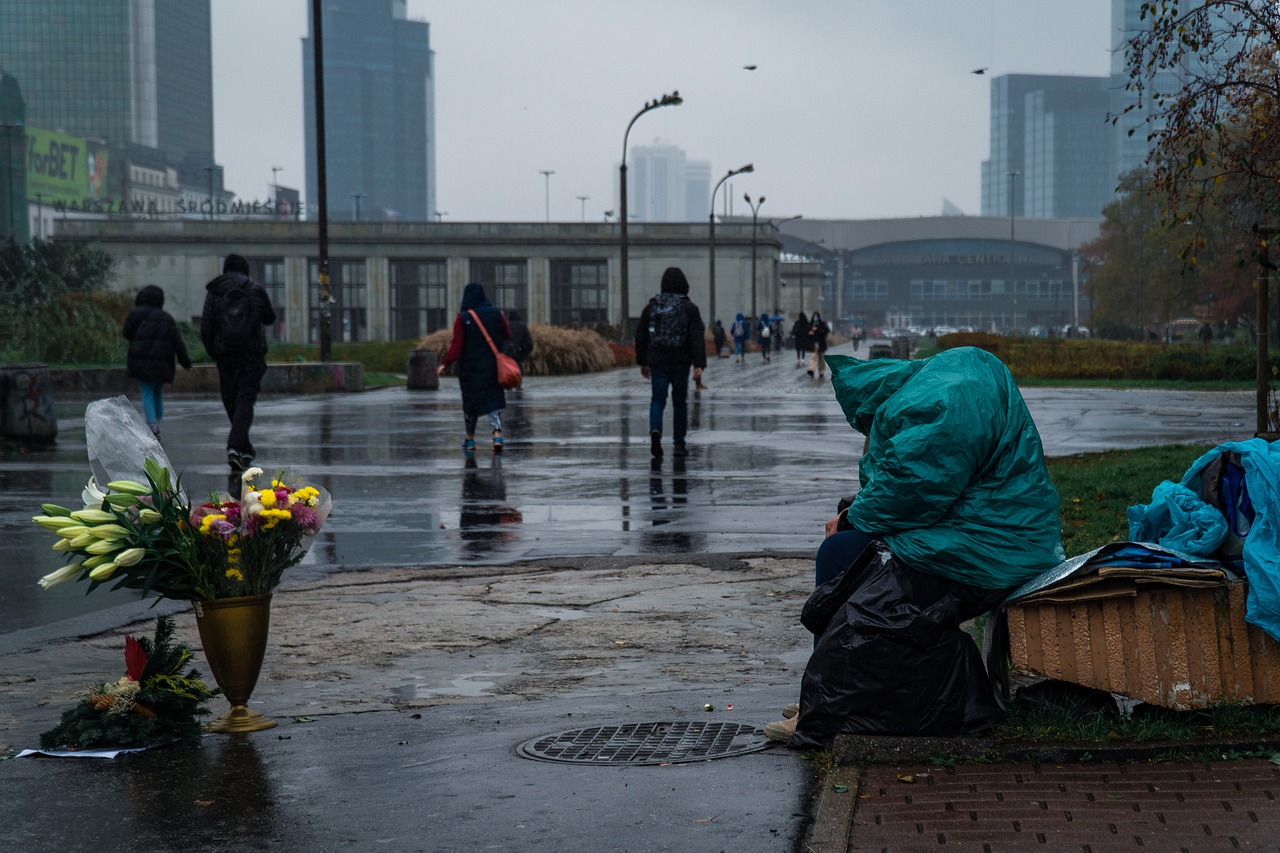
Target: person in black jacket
(670, 339)
(154, 343)
(520, 345)
(236, 310)
(477, 364)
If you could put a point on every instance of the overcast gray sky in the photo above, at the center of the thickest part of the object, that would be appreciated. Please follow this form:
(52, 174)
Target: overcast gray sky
(857, 108)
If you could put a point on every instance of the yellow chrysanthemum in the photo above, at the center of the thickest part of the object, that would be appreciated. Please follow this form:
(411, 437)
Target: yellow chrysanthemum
(207, 522)
(272, 517)
(235, 574)
(268, 498)
(307, 494)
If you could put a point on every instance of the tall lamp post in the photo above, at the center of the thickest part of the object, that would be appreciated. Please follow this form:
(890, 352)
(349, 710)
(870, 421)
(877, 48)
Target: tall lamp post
(711, 232)
(546, 174)
(755, 218)
(583, 200)
(355, 198)
(325, 296)
(672, 100)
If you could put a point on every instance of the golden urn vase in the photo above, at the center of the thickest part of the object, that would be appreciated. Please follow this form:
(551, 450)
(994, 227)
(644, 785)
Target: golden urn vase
(233, 632)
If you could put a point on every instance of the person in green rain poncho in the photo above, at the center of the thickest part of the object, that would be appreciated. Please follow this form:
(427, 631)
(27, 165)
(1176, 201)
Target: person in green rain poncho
(952, 478)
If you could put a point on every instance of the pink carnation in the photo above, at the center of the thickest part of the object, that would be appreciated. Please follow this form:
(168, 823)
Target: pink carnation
(306, 518)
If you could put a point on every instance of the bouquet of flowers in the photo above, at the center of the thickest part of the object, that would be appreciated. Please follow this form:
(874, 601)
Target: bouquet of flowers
(154, 703)
(146, 536)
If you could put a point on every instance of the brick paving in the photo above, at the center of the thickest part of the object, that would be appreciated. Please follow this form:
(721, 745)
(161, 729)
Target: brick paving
(1205, 806)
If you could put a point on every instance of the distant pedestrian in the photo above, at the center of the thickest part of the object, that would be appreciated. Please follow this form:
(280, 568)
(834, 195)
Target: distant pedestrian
(477, 365)
(232, 328)
(740, 331)
(775, 326)
(800, 336)
(818, 331)
(154, 343)
(670, 338)
(717, 332)
(1206, 336)
(520, 345)
(764, 335)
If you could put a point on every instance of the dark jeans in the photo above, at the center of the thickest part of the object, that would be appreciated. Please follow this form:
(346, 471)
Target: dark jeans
(239, 382)
(837, 553)
(677, 379)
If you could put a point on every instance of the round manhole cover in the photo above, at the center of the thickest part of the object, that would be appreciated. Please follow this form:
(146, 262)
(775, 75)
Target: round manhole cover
(646, 743)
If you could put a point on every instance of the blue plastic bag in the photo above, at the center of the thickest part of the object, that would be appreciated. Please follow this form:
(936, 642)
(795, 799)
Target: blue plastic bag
(1177, 518)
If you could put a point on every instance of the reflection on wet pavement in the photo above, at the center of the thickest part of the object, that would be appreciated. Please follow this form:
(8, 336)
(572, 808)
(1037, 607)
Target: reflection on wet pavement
(770, 453)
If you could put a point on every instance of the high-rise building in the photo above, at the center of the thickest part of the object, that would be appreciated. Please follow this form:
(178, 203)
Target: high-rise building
(663, 185)
(1050, 147)
(1130, 135)
(379, 112)
(125, 72)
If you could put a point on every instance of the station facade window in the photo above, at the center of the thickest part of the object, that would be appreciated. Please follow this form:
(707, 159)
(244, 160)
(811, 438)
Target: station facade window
(579, 292)
(506, 282)
(419, 291)
(269, 272)
(349, 289)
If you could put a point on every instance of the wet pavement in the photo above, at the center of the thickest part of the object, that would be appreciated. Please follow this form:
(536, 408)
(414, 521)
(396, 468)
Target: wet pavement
(452, 611)
(770, 455)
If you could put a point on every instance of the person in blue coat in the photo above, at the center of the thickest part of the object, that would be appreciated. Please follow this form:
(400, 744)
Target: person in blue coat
(477, 365)
(764, 336)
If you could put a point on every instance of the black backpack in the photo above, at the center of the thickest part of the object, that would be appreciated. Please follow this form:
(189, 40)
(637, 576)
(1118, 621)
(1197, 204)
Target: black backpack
(668, 321)
(239, 321)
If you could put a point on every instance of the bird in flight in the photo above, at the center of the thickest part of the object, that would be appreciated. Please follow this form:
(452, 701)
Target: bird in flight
(982, 70)
(750, 67)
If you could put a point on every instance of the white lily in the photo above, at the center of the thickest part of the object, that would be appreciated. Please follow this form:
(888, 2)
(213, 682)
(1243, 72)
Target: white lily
(72, 530)
(129, 487)
(62, 546)
(130, 556)
(84, 540)
(53, 522)
(149, 516)
(92, 495)
(103, 572)
(109, 532)
(88, 515)
(102, 546)
(62, 575)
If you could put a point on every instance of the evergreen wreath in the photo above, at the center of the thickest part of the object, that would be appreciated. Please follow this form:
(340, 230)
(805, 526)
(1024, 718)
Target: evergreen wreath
(154, 703)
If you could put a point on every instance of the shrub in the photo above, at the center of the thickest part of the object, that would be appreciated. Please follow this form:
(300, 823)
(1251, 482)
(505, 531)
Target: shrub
(557, 350)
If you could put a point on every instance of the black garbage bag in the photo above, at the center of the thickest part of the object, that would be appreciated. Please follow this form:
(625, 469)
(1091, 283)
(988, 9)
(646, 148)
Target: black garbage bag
(891, 658)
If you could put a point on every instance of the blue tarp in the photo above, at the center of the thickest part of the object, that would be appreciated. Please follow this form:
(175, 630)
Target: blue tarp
(1261, 462)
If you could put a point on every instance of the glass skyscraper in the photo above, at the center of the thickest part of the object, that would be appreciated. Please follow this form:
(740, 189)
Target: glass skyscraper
(1052, 131)
(379, 112)
(127, 72)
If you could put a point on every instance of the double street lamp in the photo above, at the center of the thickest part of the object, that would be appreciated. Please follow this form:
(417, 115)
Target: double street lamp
(672, 100)
(755, 218)
(712, 234)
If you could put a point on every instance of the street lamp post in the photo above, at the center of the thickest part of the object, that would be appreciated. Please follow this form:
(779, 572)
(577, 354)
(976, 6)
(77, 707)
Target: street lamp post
(672, 100)
(1013, 179)
(711, 235)
(546, 174)
(275, 187)
(755, 218)
(355, 197)
(582, 199)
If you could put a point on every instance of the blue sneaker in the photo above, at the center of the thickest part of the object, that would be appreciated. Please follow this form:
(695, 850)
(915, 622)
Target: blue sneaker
(469, 445)
(497, 444)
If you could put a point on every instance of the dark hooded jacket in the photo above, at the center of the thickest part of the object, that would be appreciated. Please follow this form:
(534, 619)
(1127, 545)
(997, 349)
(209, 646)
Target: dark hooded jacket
(694, 351)
(154, 339)
(477, 366)
(215, 295)
(953, 477)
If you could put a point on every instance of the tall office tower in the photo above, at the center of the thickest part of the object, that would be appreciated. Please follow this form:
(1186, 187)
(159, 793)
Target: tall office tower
(663, 185)
(1052, 131)
(122, 71)
(379, 112)
(1130, 152)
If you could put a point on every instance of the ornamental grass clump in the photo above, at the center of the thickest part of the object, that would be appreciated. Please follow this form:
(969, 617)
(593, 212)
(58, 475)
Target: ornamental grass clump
(146, 536)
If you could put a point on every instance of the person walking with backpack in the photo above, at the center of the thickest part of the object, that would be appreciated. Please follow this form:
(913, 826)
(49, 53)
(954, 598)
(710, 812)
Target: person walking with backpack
(154, 343)
(520, 345)
(232, 329)
(670, 340)
(740, 332)
(764, 336)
